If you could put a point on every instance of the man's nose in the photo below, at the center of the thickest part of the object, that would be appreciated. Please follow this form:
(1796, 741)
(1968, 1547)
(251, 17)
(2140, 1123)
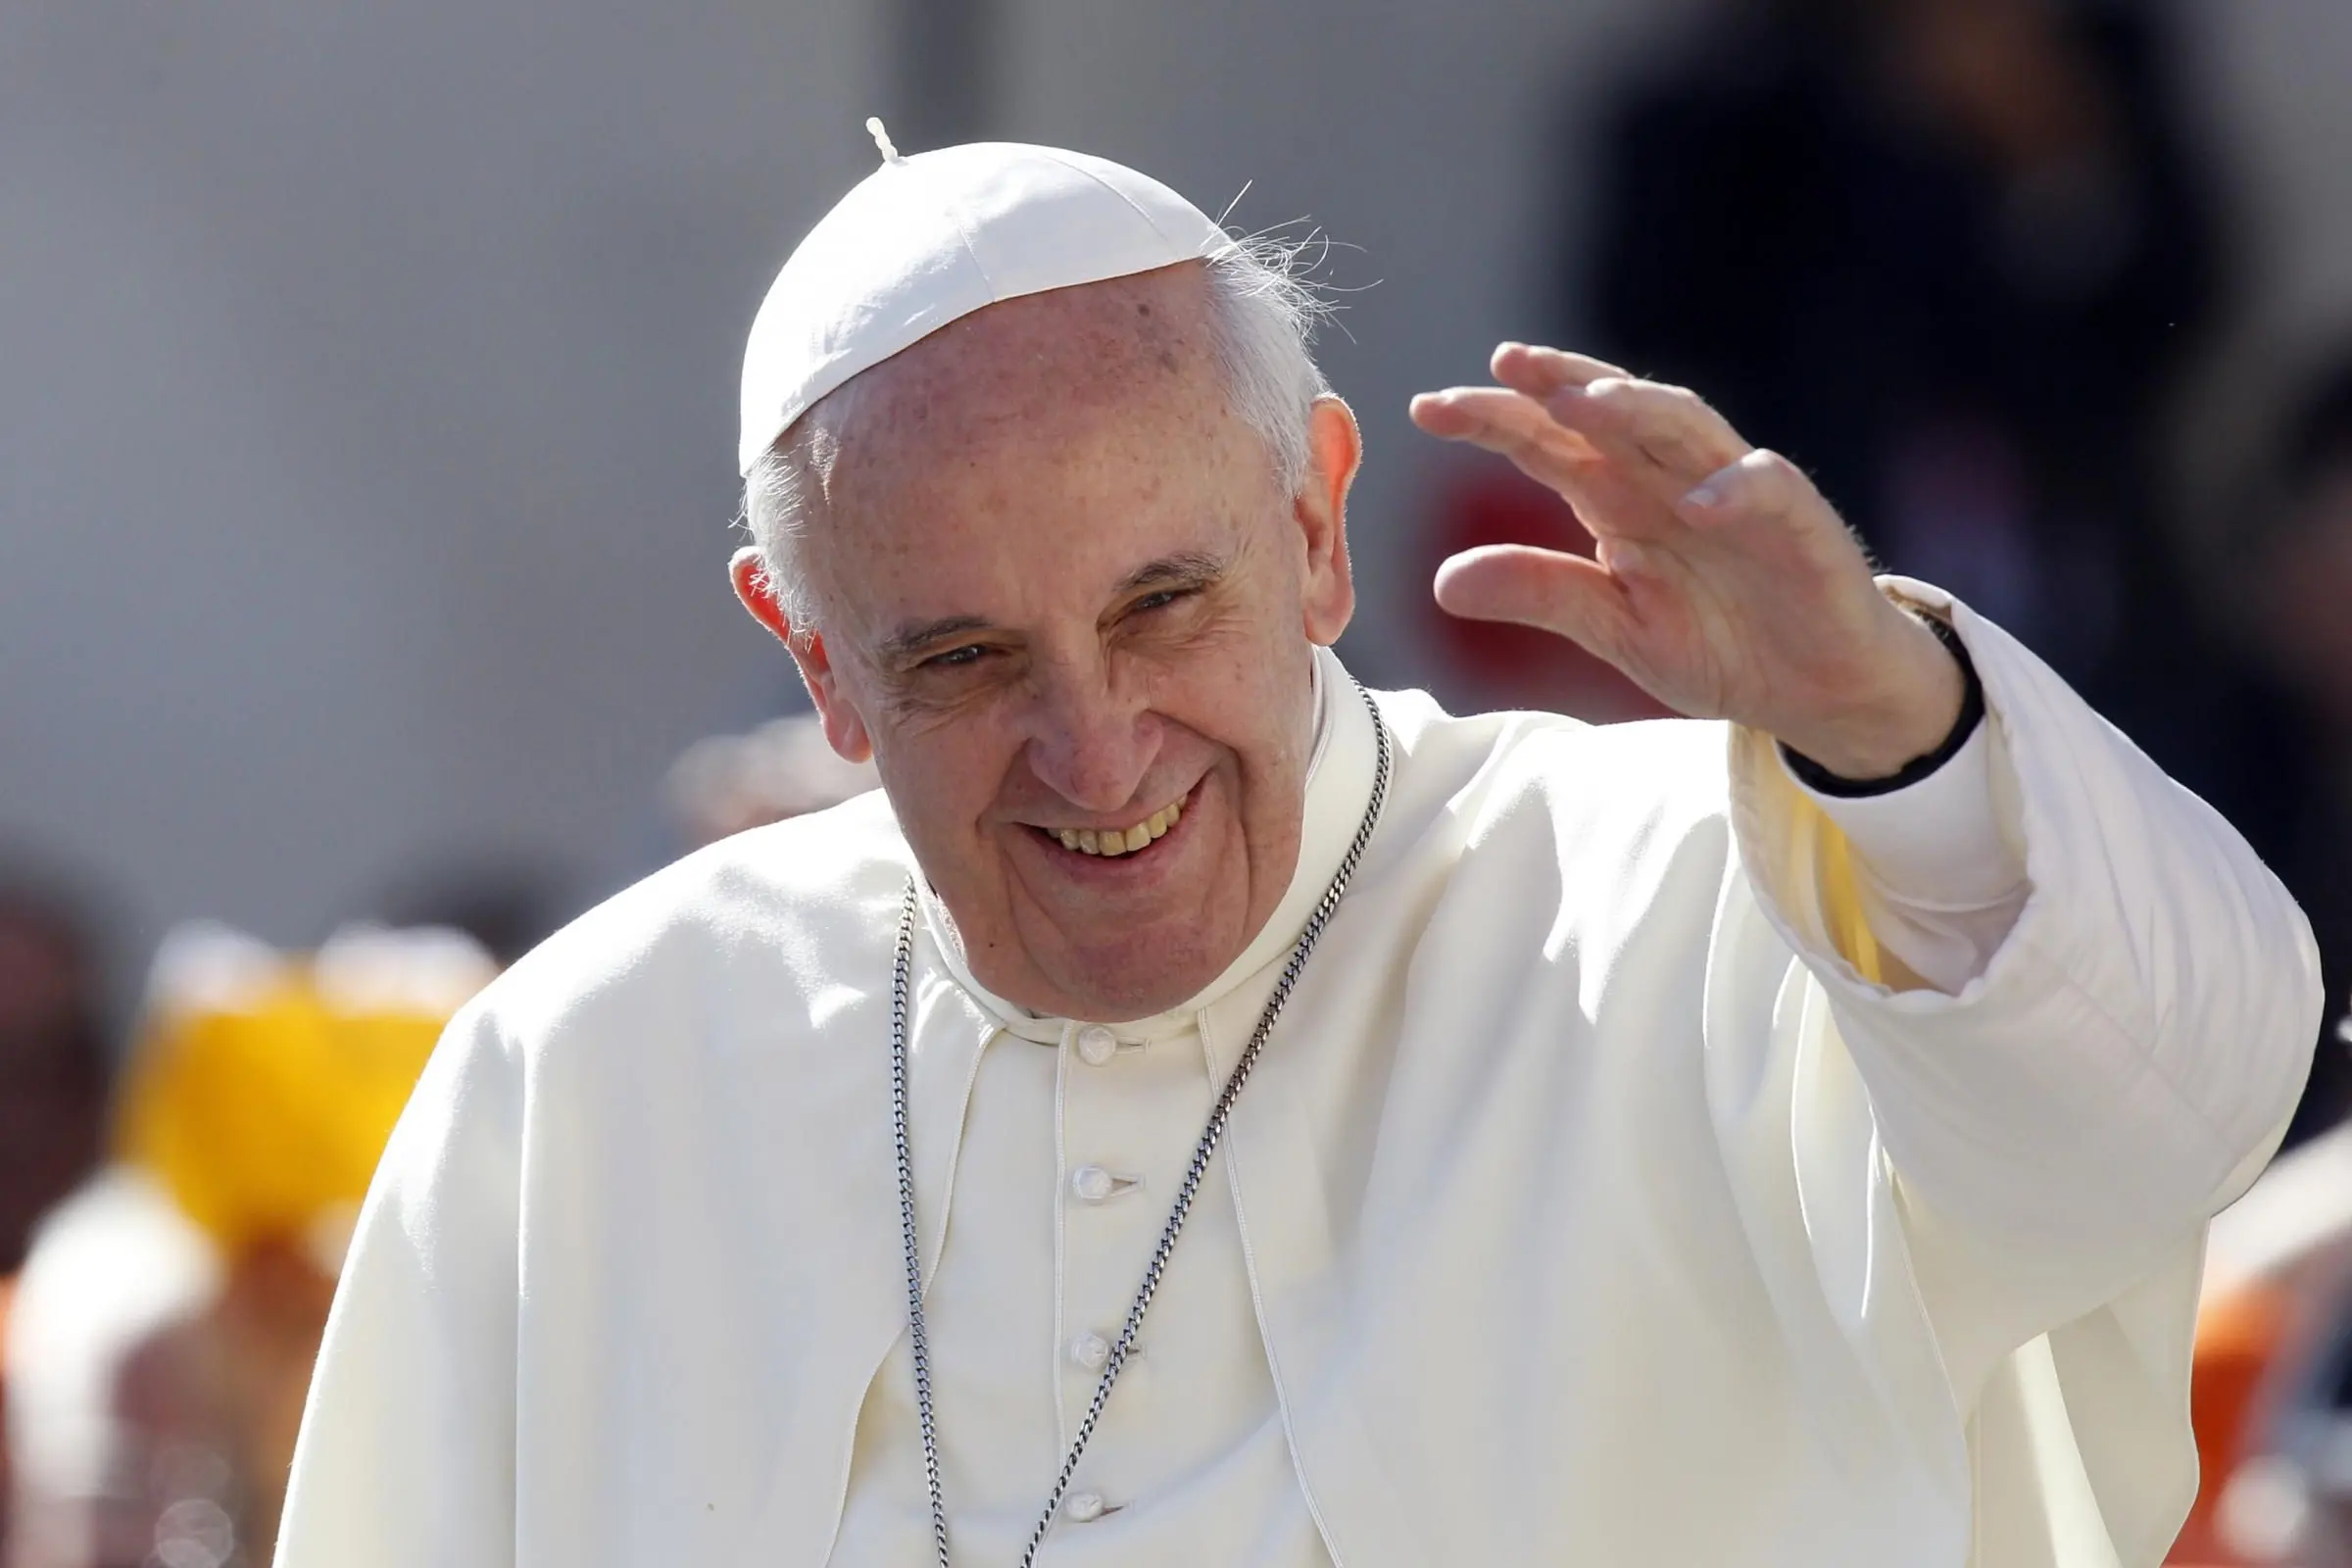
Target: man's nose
(1092, 743)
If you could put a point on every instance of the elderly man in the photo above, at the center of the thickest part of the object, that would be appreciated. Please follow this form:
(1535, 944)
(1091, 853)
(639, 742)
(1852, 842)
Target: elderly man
(1203, 1113)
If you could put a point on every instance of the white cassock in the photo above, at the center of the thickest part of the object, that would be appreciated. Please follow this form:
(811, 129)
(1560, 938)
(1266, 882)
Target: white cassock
(1590, 1203)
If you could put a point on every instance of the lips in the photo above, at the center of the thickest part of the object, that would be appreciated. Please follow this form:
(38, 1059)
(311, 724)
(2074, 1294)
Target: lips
(1112, 842)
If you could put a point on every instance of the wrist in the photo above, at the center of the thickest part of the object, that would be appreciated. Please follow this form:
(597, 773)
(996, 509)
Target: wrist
(1919, 711)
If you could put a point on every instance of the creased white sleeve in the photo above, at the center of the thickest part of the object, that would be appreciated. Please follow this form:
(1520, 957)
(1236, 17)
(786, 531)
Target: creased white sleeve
(1942, 877)
(406, 1453)
(2001, 1189)
(2136, 1039)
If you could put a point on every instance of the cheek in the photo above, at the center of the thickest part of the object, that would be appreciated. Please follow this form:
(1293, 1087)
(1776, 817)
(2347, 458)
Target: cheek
(1245, 694)
(943, 777)
(1207, 678)
(947, 776)
(942, 771)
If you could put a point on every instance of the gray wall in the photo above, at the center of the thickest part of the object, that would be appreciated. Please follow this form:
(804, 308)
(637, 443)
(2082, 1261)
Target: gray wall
(366, 407)
(367, 374)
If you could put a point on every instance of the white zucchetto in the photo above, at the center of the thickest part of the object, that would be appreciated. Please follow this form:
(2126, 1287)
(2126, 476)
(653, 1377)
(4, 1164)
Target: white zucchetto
(924, 240)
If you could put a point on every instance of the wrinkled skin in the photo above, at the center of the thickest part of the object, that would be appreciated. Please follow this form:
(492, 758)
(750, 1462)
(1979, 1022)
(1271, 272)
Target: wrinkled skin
(1059, 587)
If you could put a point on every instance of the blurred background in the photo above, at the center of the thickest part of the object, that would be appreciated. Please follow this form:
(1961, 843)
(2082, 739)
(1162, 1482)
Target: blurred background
(367, 402)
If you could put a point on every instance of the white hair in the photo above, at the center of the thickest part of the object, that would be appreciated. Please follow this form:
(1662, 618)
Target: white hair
(1264, 311)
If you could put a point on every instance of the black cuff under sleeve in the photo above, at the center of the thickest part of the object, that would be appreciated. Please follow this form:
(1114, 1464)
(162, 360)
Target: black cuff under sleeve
(1821, 781)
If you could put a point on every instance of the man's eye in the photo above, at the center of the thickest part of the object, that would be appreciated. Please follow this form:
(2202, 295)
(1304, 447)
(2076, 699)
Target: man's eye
(1161, 599)
(955, 657)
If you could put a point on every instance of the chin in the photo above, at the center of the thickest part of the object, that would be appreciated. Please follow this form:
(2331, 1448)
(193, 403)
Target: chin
(1132, 970)
(1131, 984)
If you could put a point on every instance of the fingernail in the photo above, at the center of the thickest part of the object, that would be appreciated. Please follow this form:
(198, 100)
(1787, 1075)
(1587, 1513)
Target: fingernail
(1706, 494)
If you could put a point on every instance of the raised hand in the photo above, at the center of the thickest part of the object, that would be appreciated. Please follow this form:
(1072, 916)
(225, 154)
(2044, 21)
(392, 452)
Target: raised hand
(1723, 584)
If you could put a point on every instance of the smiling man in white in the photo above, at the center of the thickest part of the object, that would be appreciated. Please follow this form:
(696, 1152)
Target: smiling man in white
(1319, 1130)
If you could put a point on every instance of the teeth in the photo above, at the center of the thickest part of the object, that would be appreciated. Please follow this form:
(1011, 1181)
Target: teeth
(1111, 843)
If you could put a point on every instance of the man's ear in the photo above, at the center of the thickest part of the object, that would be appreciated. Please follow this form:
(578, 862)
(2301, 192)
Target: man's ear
(845, 726)
(1334, 449)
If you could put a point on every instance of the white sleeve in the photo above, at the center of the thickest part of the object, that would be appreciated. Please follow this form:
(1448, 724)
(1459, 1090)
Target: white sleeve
(406, 1453)
(1942, 879)
(2137, 1036)
(1996, 1195)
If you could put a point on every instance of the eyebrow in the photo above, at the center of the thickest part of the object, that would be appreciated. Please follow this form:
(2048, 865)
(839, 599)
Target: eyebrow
(1187, 569)
(912, 639)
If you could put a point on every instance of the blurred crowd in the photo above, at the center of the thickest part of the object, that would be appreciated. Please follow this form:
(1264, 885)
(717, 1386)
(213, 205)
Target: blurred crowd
(1962, 259)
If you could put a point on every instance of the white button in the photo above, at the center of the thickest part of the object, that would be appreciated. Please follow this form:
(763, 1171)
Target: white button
(1092, 1183)
(1090, 1350)
(1084, 1506)
(1096, 1044)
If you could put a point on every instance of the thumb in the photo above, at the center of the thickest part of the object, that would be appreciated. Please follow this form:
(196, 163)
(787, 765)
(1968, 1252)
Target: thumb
(1566, 595)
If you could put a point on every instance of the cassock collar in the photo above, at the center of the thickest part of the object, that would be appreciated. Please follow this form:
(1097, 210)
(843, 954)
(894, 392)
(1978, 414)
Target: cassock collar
(1339, 786)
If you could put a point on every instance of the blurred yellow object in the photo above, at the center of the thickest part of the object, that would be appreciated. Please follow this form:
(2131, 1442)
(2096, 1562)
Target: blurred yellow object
(265, 1086)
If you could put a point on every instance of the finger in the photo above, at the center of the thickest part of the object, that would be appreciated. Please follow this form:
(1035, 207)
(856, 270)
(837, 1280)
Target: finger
(1539, 373)
(1559, 593)
(1668, 428)
(1490, 414)
(1511, 425)
(1760, 483)
(1611, 498)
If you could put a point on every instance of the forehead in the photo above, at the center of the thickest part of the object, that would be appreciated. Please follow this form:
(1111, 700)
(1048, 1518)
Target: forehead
(1137, 347)
(1061, 433)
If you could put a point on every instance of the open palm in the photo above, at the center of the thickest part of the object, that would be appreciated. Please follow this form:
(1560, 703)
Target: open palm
(1723, 583)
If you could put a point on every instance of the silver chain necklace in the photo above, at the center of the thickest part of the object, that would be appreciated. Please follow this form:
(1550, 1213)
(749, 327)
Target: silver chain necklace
(919, 1341)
